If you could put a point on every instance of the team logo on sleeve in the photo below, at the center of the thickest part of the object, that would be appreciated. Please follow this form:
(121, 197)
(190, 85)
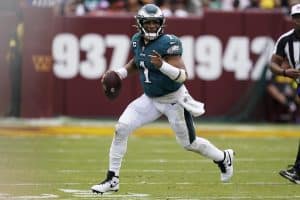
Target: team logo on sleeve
(175, 49)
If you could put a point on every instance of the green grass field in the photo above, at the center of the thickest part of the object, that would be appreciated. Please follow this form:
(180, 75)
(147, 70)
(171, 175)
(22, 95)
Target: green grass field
(155, 167)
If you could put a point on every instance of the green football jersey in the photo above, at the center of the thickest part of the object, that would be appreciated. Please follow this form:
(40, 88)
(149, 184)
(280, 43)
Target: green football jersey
(154, 82)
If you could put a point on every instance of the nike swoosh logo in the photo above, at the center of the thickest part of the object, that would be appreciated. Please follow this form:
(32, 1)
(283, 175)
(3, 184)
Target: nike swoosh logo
(229, 162)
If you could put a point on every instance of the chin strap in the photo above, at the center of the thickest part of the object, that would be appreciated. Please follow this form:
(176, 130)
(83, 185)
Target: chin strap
(151, 36)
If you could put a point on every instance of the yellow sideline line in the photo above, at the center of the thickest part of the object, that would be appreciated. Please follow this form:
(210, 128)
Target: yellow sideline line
(154, 130)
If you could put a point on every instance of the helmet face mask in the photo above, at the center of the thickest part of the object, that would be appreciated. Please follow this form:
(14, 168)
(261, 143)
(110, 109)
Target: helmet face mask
(147, 13)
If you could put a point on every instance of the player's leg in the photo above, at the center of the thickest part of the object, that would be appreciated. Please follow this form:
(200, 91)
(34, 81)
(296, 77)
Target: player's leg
(297, 161)
(182, 123)
(293, 172)
(137, 113)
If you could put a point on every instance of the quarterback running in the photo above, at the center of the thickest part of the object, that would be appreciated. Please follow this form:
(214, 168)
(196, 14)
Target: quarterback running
(162, 73)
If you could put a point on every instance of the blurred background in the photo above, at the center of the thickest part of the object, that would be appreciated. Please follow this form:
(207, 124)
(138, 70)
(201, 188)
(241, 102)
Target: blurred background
(54, 52)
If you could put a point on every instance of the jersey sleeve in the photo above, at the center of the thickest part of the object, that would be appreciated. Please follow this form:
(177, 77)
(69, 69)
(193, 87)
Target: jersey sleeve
(172, 46)
(279, 47)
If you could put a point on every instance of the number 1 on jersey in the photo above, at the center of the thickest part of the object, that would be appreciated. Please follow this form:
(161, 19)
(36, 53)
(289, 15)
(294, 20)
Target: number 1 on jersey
(146, 72)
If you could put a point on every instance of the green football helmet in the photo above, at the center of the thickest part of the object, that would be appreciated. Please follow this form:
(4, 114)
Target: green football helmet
(150, 12)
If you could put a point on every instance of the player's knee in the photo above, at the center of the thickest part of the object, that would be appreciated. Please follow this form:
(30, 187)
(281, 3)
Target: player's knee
(122, 130)
(198, 145)
(190, 147)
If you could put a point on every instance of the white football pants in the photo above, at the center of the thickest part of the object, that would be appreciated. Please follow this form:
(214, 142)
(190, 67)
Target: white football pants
(144, 110)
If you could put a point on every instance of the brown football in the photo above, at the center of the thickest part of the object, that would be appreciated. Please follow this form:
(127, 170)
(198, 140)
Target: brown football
(112, 84)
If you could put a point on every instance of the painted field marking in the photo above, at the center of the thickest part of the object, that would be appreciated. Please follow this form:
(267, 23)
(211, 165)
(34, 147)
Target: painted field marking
(183, 161)
(102, 128)
(41, 196)
(35, 184)
(89, 193)
(190, 171)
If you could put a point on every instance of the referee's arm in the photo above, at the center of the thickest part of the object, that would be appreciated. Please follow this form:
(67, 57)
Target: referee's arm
(278, 68)
(276, 65)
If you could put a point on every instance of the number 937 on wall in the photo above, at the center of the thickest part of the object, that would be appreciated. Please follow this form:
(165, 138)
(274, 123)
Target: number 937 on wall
(66, 49)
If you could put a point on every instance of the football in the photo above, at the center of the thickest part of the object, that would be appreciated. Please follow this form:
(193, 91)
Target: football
(112, 84)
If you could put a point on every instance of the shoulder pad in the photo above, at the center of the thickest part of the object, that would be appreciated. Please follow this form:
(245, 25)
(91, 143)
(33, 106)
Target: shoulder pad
(135, 37)
(172, 45)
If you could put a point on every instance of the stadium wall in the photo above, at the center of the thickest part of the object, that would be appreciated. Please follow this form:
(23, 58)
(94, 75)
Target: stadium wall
(8, 26)
(65, 57)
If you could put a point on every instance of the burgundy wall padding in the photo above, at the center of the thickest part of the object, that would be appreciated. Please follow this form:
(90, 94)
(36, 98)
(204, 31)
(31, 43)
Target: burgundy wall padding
(46, 95)
(8, 26)
(37, 87)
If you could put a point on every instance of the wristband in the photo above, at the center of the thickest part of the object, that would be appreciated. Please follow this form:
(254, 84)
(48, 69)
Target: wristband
(284, 72)
(122, 72)
(169, 70)
(174, 73)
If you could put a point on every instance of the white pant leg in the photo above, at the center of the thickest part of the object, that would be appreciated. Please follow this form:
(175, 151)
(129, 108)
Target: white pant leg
(182, 123)
(137, 113)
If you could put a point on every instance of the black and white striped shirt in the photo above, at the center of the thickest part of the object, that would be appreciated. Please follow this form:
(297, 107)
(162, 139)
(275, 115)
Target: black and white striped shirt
(288, 46)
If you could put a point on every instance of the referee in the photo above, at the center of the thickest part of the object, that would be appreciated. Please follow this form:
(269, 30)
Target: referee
(287, 48)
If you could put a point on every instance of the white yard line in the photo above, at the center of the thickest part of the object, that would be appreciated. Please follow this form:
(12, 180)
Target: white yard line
(144, 182)
(200, 160)
(41, 196)
(88, 193)
(66, 171)
(36, 184)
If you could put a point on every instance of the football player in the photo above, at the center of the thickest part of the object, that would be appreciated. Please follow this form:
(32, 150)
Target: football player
(157, 59)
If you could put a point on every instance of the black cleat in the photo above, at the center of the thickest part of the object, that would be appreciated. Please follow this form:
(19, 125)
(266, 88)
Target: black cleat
(291, 174)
